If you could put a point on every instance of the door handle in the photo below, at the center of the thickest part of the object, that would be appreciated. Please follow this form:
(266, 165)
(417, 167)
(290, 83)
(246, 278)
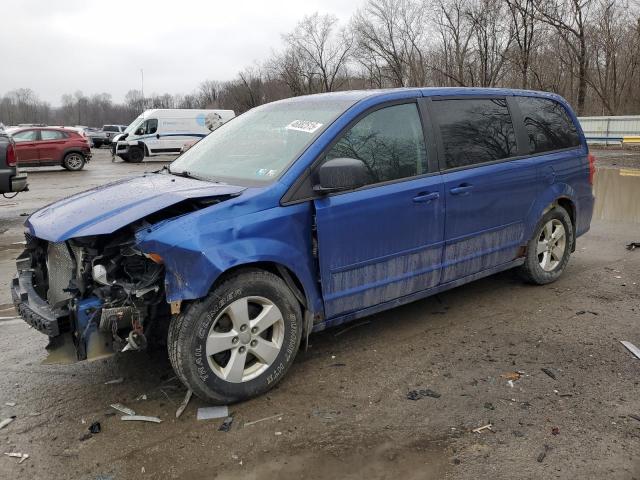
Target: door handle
(158, 136)
(464, 189)
(425, 197)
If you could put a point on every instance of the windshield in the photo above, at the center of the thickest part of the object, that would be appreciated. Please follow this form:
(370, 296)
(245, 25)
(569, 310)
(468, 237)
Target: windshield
(257, 146)
(134, 125)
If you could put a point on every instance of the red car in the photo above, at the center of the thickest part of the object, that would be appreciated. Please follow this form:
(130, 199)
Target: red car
(47, 146)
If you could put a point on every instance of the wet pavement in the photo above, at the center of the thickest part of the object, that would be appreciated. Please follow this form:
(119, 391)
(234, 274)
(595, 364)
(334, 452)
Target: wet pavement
(342, 411)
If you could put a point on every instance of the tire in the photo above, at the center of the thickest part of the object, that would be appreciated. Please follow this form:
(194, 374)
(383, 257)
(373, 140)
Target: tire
(136, 154)
(73, 161)
(545, 261)
(97, 144)
(124, 157)
(224, 356)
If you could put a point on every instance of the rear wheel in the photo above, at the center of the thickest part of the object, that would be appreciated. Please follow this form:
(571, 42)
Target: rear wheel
(549, 249)
(136, 154)
(73, 161)
(239, 341)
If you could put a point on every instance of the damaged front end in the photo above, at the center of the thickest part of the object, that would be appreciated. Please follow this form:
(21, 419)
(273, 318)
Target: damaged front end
(93, 296)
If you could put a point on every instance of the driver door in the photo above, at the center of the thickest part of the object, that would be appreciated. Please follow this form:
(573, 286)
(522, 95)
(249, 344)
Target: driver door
(382, 241)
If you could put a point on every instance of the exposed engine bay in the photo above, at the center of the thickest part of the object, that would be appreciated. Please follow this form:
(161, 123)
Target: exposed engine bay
(105, 294)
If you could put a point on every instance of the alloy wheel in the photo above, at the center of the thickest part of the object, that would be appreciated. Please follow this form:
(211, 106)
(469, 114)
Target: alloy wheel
(245, 339)
(552, 244)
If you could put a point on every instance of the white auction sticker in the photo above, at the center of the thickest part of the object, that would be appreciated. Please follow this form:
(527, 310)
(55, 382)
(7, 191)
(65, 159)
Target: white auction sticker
(304, 126)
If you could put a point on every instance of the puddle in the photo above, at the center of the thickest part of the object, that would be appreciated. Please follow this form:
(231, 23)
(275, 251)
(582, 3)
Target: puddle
(617, 193)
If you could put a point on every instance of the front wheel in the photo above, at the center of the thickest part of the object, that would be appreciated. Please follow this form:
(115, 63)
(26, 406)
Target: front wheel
(136, 154)
(73, 161)
(549, 249)
(239, 341)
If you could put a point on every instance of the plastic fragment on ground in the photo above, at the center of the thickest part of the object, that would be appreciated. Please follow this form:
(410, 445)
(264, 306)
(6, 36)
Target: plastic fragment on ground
(140, 418)
(631, 347)
(122, 408)
(207, 413)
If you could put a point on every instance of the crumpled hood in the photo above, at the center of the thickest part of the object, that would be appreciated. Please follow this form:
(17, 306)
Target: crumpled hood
(105, 209)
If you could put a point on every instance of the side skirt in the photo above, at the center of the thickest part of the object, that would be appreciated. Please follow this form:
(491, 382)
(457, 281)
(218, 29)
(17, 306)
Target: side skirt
(332, 322)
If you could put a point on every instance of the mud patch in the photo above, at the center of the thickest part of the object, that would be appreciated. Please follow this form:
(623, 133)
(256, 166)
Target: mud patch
(419, 459)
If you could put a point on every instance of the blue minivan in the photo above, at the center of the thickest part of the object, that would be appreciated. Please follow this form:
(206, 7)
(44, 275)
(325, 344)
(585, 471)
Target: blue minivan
(304, 214)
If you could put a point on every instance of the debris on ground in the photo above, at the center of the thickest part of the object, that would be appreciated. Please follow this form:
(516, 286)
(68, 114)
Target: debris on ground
(633, 245)
(115, 381)
(226, 425)
(207, 413)
(418, 394)
(549, 372)
(7, 421)
(140, 418)
(489, 406)
(278, 416)
(185, 402)
(95, 427)
(338, 365)
(511, 376)
(582, 312)
(483, 428)
(141, 397)
(635, 417)
(278, 433)
(10, 404)
(122, 408)
(555, 431)
(543, 453)
(351, 327)
(21, 456)
(631, 347)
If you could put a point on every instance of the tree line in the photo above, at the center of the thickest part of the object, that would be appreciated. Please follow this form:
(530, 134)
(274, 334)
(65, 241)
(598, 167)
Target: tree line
(586, 50)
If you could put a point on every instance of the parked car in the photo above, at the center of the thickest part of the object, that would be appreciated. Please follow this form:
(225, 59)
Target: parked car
(97, 138)
(47, 146)
(11, 180)
(165, 131)
(303, 214)
(111, 131)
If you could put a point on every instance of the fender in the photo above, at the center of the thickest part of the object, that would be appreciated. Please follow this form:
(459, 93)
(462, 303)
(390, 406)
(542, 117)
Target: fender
(196, 249)
(548, 197)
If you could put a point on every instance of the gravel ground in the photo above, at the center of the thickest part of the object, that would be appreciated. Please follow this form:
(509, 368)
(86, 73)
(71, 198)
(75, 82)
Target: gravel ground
(343, 411)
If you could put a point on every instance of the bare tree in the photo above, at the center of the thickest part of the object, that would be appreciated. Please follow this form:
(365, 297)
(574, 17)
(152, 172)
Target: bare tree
(319, 52)
(569, 18)
(391, 41)
(526, 35)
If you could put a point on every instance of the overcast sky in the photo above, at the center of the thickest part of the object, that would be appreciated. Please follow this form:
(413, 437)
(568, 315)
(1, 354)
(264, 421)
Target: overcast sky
(57, 47)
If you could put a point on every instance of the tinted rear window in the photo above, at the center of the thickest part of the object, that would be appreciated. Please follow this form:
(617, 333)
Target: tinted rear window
(110, 128)
(547, 124)
(475, 130)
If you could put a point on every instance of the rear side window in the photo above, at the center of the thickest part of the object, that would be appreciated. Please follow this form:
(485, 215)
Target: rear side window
(475, 131)
(389, 141)
(51, 135)
(110, 128)
(547, 124)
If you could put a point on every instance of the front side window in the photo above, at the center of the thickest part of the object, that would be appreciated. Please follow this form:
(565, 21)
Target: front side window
(51, 135)
(26, 136)
(547, 125)
(151, 126)
(389, 141)
(257, 146)
(475, 131)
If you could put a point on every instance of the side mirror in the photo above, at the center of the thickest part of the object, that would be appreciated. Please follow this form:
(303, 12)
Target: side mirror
(140, 131)
(341, 174)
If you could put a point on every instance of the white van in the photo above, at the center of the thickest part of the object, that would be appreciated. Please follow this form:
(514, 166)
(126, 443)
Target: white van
(166, 131)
